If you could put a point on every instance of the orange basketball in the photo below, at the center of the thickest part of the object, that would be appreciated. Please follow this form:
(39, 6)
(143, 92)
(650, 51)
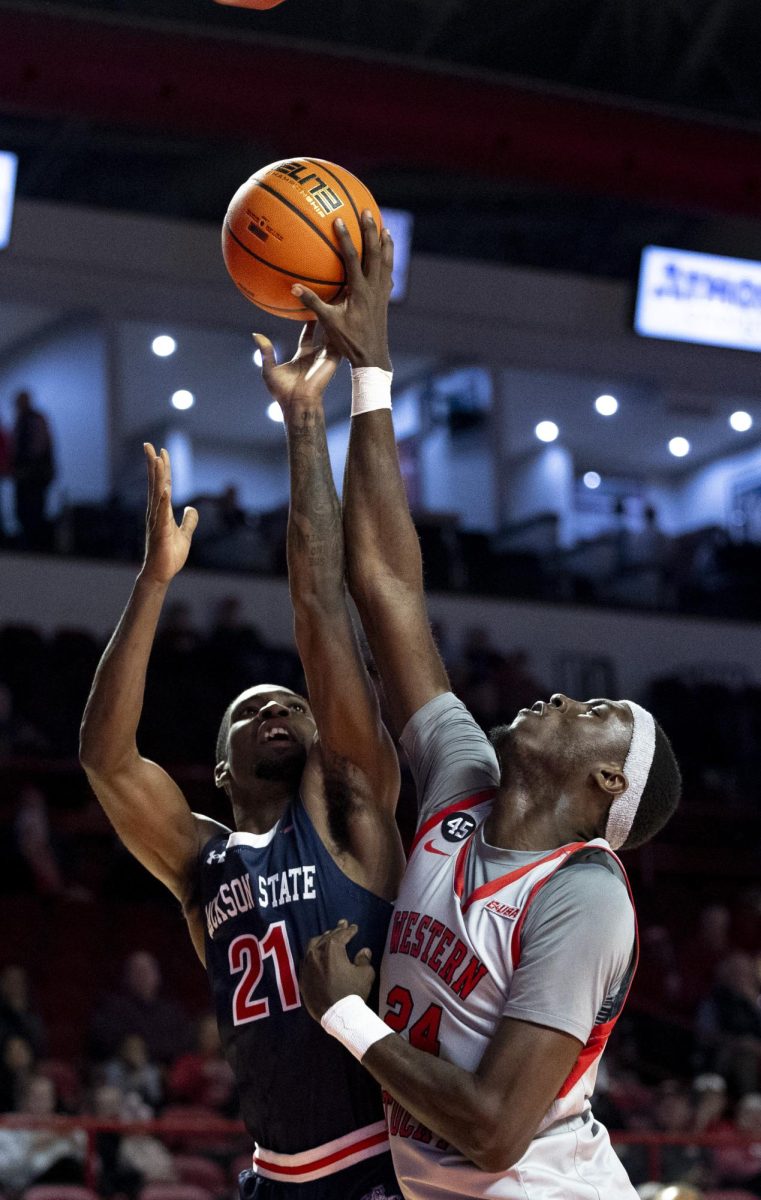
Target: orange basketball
(279, 231)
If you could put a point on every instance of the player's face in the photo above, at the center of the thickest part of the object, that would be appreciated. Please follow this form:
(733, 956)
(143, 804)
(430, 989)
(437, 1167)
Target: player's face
(563, 732)
(271, 731)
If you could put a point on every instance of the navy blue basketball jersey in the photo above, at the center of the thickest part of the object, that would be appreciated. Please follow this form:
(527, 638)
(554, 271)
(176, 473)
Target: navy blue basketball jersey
(263, 897)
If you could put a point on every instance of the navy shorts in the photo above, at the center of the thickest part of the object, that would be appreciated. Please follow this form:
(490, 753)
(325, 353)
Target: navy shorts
(372, 1179)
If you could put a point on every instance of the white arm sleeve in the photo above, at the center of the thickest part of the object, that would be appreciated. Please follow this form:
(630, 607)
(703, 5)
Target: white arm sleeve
(450, 756)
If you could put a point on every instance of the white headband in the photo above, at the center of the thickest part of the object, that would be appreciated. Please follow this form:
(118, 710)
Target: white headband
(639, 760)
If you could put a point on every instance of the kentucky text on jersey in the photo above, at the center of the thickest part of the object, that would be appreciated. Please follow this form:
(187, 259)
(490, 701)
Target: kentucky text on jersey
(402, 1124)
(236, 896)
(430, 940)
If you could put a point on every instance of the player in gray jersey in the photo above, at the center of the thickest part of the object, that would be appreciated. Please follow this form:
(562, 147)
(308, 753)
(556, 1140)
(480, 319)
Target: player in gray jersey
(512, 944)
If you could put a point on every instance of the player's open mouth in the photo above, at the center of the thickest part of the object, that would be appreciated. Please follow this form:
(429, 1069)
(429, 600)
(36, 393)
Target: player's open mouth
(273, 733)
(538, 708)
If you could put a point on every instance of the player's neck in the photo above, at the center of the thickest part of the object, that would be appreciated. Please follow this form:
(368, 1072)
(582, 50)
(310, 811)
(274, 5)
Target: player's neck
(257, 811)
(521, 820)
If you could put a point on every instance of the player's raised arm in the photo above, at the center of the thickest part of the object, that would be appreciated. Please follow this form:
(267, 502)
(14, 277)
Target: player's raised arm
(383, 554)
(343, 700)
(145, 806)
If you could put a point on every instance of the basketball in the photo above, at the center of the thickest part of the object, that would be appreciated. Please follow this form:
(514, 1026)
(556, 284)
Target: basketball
(278, 231)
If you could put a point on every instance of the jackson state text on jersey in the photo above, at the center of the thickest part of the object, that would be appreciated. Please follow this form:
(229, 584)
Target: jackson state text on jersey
(263, 897)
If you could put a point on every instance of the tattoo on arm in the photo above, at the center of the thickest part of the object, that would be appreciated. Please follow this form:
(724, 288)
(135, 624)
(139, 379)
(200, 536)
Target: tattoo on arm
(315, 535)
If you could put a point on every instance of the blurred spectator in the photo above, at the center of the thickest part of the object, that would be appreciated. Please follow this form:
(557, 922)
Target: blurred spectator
(113, 1176)
(132, 1071)
(204, 1076)
(16, 1013)
(177, 635)
(674, 1112)
(128, 1161)
(729, 1024)
(701, 954)
(662, 1034)
(16, 1069)
(710, 1099)
(17, 736)
(140, 1152)
(36, 849)
(33, 470)
(30, 1156)
(742, 1164)
(230, 634)
(139, 1008)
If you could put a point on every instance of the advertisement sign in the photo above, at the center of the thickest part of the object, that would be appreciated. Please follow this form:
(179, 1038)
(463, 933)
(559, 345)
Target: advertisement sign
(8, 163)
(399, 224)
(703, 298)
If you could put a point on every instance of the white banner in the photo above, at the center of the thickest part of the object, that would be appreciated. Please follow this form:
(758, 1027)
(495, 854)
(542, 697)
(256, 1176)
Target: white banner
(8, 164)
(705, 298)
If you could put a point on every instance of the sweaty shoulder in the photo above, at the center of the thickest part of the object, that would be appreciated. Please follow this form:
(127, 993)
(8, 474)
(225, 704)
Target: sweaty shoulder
(449, 754)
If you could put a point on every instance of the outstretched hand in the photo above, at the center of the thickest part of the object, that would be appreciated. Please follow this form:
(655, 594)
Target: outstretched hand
(328, 974)
(305, 377)
(357, 325)
(166, 543)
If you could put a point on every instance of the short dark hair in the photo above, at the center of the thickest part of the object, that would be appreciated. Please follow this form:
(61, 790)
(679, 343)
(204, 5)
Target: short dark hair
(660, 796)
(224, 733)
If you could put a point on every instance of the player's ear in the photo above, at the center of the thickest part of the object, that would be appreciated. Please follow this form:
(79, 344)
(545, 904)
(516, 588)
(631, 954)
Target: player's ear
(610, 778)
(221, 773)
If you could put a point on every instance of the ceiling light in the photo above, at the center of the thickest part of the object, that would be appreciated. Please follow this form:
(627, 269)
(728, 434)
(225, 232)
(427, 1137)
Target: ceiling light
(257, 357)
(163, 345)
(183, 399)
(679, 446)
(592, 480)
(741, 421)
(546, 431)
(275, 412)
(606, 405)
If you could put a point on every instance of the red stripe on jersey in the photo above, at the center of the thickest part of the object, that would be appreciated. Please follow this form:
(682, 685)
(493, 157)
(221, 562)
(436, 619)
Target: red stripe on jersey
(441, 813)
(593, 1049)
(459, 869)
(319, 1164)
(496, 885)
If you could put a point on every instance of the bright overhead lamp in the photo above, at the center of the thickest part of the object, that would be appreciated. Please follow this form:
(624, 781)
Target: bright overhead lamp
(163, 345)
(679, 447)
(183, 399)
(606, 405)
(546, 431)
(741, 421)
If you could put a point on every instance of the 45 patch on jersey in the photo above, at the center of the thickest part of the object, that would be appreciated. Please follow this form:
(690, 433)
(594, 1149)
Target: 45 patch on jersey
(458, 826)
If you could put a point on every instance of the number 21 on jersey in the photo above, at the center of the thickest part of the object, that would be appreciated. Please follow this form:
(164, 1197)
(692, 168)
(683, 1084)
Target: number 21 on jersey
(246, 956)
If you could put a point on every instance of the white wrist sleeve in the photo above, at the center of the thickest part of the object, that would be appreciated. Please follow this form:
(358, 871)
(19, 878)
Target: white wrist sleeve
(354, 1025)
(370, 389)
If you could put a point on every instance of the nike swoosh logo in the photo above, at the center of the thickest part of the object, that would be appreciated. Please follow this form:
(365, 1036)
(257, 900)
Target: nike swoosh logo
(429, 846)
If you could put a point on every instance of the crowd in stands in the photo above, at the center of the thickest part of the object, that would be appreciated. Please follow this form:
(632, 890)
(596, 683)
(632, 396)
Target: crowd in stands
(631, 563)
(686, 1060)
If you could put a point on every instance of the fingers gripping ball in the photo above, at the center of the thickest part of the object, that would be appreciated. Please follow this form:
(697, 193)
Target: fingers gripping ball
(279, 231)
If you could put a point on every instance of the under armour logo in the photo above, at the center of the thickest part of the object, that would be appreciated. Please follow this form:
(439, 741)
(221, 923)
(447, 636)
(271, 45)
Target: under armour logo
(215, 856)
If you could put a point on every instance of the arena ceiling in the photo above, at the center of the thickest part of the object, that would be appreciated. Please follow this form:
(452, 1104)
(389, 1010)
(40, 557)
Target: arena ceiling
(562, 133)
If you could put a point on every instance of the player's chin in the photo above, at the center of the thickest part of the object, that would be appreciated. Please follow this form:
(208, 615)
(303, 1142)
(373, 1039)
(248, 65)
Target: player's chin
(501, 735)
(283, 761)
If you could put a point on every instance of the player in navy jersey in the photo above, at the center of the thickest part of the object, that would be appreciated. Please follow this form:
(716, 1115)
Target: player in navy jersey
(313, 788)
